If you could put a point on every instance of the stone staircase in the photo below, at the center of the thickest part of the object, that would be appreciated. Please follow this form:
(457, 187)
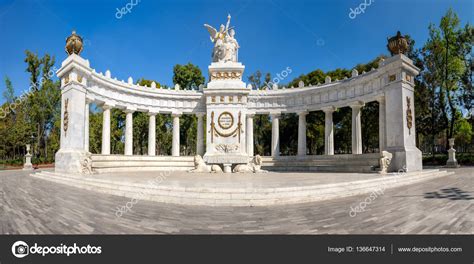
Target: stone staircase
(117, 163)
(216, 195)
(324, 163)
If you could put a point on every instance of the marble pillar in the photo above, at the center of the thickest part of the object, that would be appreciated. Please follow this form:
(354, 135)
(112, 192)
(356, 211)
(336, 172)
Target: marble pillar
(382, 138)
(152, 134)
(175, 145)
(302, 133)
(356, 128)
(328, 130)
(129, 132)
(275, 135)
(86, 127)
(200, 135)
(106, 130)
(250, 135)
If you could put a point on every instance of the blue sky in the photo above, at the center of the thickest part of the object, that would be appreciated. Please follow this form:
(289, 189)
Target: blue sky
(156, 35)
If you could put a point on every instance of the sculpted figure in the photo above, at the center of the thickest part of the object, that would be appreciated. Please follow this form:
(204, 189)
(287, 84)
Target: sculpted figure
(384, 162)
(200, 166)
(225, 45)
(86, 164)
(254, 166)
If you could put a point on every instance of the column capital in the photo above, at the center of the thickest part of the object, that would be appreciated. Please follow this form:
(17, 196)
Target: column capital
(275, 115)
(200, 114)
(176, 114)
(303, 112)
(150, 113)
(107, 106)
(250, 115)
(329, 109)
(356, 104)
(129, 110)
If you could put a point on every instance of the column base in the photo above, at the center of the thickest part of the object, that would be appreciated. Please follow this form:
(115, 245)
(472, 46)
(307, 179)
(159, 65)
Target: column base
(405, 159)
(72, 161)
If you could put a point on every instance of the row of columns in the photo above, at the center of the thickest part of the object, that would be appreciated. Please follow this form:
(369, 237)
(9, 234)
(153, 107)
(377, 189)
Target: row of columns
(275, 147)
(151, 132)
(328, 130)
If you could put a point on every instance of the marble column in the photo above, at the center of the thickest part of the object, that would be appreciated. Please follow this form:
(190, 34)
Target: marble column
(106, 130)
(200, 135)
(382, 138)
(249, 135)
(152, 134)
(275, 135)
(86, 127)
(302, 133)
(328, 130)
(175, 146)
(356, 128)
(129, 132)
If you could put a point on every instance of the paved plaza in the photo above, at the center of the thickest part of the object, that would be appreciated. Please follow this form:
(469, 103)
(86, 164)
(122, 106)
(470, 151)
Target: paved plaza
(34, 206)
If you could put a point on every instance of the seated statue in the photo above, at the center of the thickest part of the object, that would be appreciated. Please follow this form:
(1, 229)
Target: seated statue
(254, 166)
(384, 162)
(200, 166)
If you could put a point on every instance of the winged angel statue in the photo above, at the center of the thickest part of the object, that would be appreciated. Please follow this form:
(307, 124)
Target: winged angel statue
(225, 45)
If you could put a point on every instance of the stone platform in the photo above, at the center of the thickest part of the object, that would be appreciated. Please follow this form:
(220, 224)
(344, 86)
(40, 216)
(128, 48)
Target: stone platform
(237, 189)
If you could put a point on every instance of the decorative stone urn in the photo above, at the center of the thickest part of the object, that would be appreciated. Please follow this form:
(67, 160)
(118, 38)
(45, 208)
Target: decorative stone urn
(452, 162)
(397, 44)
(28, 165)
(74, 44)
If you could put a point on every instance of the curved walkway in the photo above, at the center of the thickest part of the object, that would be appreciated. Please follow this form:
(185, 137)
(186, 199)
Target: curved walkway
(34, 206)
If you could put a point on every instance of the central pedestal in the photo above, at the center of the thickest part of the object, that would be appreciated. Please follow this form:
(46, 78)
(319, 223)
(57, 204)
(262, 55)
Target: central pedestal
(226, 101)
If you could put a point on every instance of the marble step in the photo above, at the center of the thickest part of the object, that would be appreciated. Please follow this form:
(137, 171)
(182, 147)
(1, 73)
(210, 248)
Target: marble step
(217, 196)
(118, 163)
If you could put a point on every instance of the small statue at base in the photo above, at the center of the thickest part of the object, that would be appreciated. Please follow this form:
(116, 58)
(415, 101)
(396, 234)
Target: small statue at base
(200, 166)
(87, 164)
(384, 162)
(254, 166)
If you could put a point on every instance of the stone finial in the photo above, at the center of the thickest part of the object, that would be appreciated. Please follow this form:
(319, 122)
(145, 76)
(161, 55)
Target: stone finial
(130, 80)
(177, 87)
(249, 86)
(108, 74)
(74, 44)
(327, 79)
(275, 86)
(201, 87)
(300, 84)
(354, 73)
(153, 84)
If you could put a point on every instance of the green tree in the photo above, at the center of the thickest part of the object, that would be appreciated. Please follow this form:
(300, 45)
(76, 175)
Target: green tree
(188, 77)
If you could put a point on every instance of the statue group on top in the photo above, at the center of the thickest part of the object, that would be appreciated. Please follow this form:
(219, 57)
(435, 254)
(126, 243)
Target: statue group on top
(225, 45)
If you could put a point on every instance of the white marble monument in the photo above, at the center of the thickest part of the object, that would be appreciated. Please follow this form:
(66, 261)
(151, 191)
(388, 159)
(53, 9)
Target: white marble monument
(225, 107)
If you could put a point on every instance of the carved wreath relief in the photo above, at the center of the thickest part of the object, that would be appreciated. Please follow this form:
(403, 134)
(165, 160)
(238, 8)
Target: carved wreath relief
(409, 115)
(66, 116)
(225, 122)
